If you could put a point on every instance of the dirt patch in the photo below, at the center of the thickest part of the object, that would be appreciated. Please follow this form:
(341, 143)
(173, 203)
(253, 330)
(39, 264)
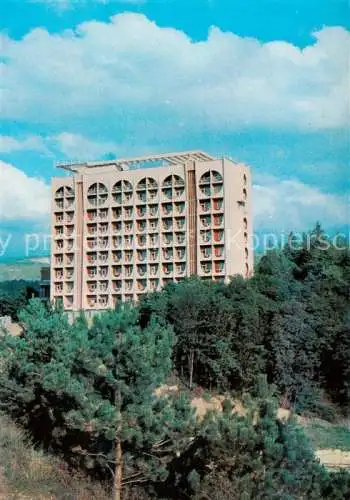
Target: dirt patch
(334, 459)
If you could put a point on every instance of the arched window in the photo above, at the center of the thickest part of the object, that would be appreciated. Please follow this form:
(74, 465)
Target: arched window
(211, 183)
(97, 194)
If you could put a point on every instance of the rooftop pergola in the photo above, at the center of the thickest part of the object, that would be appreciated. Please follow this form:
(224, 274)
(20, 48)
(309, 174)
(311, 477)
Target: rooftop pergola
(126, 163)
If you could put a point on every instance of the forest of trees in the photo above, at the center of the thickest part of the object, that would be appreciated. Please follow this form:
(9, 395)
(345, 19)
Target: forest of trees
(86, 390)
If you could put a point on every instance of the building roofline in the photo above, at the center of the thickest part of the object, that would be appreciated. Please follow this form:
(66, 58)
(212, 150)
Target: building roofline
(125, 163)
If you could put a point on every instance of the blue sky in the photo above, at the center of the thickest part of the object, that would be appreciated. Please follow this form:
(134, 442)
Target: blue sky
(265, 81)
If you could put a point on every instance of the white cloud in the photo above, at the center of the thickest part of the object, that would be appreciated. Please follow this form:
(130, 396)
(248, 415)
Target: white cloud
(131, 73)
(10, 144)
(79, 148)
(71, 145)
(292, 205)
(21, 196)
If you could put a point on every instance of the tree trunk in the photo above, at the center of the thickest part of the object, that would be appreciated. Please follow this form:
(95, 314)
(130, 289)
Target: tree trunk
(191, 363)
(118, 475)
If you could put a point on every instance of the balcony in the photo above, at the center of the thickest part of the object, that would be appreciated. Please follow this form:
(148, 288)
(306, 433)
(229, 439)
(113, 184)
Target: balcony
(128, 212)
(59, 218)
(128, 241)
(153, 255)
(205, 221)
(92, 215)
(103, 214)
(167, 269)
(141, 285)
(128, 285)
(117, 271)
(153, 226)
(153, 270)
(103, 228)
(128, 256)
(180, 223)
(219, 251)
(152, 193)
(59, 260)
(206, 236)
(92, 229)
(104, 286)
(128, 271)
(167, 254)
(92, 301)
(180, 268)
(179, 207)
(117, 241)
(91, 258)
(141, 241)
(92, 287)
(59, 231)
(59, 193)
(218, 220)
(70, 230)
(142, 270)
(59, 274)
(154, 284)
(103, 301)
(206, 267)
(92, 272)
(206, 252)
(128, 226)
(70, 245)
(117, 286)
(69, 216)
(116, 256)
(180, 253)
(59, 244)
(103, 272)
(219, 267)
(205, 206)
(218, 204)
(218, 235)
(69, 287)
(167, 208)
(180, 238)
(153, 210)
(167, 225)
(103, 257)
(141, 226)
(141, 255)
(168, 239)
(168, 192)
(141, 211)
(153, 240)
(116, 227)
(59, 288)
(91, 243)
(70, 274)
(116, 213)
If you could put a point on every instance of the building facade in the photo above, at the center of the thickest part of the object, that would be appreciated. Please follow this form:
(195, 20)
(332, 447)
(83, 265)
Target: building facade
(123, 228)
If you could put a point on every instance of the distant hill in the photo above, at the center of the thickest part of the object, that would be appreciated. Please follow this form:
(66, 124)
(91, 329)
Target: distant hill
(23, 269)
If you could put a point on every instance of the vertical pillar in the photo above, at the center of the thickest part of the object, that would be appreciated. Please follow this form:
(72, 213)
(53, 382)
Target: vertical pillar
(192, 218)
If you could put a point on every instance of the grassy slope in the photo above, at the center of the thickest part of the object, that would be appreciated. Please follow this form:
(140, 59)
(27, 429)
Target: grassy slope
(25, 470)
(324, 435)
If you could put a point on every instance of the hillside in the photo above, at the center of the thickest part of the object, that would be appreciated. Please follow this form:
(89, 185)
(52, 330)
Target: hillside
(24, 269)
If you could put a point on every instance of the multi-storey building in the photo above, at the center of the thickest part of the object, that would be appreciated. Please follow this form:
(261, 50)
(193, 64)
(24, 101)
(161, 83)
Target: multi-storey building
(126, 227)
